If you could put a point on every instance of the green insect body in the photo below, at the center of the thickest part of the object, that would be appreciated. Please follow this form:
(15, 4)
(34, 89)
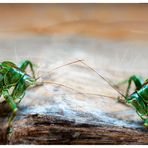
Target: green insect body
(138, 99)
(13, 83)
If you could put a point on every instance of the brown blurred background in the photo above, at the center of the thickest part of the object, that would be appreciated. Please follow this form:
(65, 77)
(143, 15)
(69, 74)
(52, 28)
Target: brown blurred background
(111, 21)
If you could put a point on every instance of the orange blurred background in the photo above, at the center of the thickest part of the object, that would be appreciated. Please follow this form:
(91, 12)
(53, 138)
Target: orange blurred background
(111, 21)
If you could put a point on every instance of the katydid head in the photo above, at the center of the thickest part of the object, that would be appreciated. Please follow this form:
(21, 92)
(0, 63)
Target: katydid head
(29, 81)
(137, 102)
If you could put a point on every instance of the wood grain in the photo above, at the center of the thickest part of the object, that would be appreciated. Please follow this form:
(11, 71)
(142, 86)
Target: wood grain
(38, 129)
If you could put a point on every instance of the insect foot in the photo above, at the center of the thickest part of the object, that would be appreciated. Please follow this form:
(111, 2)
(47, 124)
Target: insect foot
(9, 133)
(10, 122)
(146, 123)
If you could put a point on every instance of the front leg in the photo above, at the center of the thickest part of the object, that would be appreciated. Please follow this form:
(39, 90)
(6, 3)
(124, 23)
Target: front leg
(19, 91)
(25, 64)
(138, 81)
(146, 123)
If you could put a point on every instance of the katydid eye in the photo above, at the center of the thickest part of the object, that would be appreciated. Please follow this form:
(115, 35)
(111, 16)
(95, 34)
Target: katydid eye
(29, 81)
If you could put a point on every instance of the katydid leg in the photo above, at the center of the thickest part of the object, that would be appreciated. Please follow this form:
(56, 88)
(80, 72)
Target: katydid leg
(25, 64)
(13, 106)
(137, 80)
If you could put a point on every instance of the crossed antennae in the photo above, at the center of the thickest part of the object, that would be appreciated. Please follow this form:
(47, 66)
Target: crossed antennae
(103, 78)
(92, 70)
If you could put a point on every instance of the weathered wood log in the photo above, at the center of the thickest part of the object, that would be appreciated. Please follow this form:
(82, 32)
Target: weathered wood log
(36, 129)
(69, 126)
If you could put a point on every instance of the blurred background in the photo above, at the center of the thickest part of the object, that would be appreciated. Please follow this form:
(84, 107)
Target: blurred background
(112, 38)
(107, 21)
(102, 31)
